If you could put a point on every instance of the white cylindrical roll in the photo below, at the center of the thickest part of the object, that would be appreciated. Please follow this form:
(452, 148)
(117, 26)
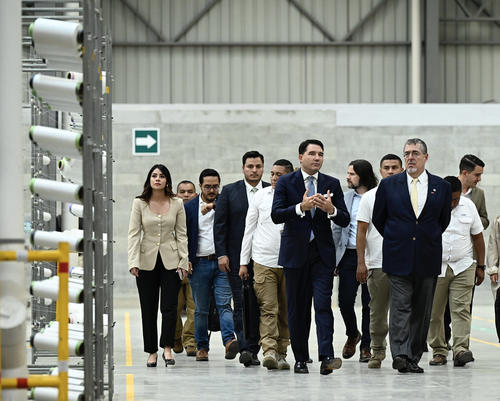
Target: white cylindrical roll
(76, 271)
(59, 93)
(45, 160)
(56, 38)
(50, 289)
(47, 216)
(50, 394)
(51, 239)
(54, 324)
(57, 191)
(72, 335)
(46, 272)
(49, 342)
(71, 169)
(73, 373)
(57, 141)
(76, 210)
(76, 76)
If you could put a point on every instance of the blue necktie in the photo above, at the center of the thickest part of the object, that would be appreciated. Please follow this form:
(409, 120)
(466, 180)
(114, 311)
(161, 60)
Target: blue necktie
(311, 192)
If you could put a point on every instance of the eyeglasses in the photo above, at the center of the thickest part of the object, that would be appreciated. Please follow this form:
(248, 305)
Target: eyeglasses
(211, 187)
(414, 153)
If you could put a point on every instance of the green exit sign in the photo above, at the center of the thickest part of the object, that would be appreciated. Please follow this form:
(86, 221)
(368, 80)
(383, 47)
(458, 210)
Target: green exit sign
(146, 141)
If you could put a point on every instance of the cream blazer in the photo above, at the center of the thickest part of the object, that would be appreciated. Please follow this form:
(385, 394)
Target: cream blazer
(150, 233)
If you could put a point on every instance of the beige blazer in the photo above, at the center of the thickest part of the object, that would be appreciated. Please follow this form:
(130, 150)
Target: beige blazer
(150, 233)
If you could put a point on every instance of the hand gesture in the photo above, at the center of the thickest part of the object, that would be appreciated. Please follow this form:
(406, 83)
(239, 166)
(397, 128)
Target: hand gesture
(206, 208)
(324, 204)
(307, 202)
(224, 264)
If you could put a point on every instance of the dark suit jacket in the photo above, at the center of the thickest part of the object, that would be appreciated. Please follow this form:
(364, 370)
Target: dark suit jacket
(296, 234)
(411, 245)
(229, 227)
(192, 210)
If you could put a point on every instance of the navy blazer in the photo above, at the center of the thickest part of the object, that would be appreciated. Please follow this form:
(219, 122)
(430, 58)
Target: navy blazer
(411, 245)
(229, 226)
(289, 191)
(192, 209)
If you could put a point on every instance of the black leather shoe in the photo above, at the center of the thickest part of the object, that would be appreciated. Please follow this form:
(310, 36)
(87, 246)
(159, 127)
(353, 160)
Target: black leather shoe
(309, 360)
(246, 358)
(414, 368)
(300, 367)
(255, 360)
(328, 364)
(400, 363)
(462, 358)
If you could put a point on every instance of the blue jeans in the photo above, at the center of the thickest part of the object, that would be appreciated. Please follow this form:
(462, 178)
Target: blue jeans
(206, 274)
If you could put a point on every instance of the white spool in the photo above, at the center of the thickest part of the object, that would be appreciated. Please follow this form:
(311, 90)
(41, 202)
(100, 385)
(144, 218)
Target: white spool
(73, 373)
(46, 216)
(51, 239)
(59, 93)
(72, 168)
(50, 341)
(76, 271)
(50, 394)
(45, 160)
(50, 289)
(57, 141)
(57, 191)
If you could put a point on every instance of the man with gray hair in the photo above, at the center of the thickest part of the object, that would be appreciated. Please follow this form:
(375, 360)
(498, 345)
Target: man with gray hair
(411, 211)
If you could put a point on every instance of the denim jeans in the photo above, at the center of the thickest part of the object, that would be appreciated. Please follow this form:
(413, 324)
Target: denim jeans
(206, 274)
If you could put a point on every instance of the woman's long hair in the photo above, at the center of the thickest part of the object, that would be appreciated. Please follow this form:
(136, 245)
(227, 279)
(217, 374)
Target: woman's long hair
(148, 190)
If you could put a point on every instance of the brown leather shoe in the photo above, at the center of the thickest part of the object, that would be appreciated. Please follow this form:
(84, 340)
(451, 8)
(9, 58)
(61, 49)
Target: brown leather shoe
(178, 348)
(190, 350)
(438, 360)
(202, 355)
(365, 355)
(231, 349)
(350, 346)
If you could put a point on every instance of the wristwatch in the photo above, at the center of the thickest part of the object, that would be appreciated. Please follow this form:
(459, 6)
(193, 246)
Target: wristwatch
(482, 267)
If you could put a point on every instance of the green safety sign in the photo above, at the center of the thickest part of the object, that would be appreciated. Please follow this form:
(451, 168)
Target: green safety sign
(146, 141)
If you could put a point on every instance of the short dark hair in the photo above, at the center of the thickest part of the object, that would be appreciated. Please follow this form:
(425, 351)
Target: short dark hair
(285, 163)
(303, 146)
(250, 155)
(417, 141)
(364, 169)
(391, 156)
(469, 163)
(456, 185)
(209, 172)
(185, 182)
(148, 190)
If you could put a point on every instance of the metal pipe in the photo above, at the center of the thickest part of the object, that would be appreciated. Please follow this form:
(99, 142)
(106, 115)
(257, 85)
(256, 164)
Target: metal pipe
(416, 52)
(13, 283)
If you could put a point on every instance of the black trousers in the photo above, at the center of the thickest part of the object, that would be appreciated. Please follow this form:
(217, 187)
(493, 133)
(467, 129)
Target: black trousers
(152, 284)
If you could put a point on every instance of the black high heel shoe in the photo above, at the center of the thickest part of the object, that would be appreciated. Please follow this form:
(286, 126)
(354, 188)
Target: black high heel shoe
(152, 364)
(168, 361)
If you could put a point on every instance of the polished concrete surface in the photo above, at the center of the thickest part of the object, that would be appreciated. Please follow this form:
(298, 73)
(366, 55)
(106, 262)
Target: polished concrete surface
(220, 379)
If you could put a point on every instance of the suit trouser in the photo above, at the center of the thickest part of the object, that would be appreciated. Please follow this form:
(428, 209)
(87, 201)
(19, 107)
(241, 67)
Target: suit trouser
(186, 331)
(252, 343)
(458, 290)
(348, 289)
(379, 287)
(150, 284)
(312, 280)
(410, 314)
(270, 290)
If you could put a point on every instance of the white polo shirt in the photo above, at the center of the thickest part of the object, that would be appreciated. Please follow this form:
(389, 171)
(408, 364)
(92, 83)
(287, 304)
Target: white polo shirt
(373, 250)
(457, 241)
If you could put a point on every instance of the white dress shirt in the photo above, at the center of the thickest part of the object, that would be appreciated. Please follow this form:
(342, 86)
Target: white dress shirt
(250, 190)
(374, 241)
(422, 187)
(457, 241)
(205, 232)
(306, 176)
(262, 237)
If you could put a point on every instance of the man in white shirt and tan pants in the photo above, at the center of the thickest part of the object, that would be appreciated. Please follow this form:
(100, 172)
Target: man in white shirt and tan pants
(458, 275)
(261, 242)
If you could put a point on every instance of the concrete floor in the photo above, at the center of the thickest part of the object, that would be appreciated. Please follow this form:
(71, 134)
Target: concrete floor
(219, 379)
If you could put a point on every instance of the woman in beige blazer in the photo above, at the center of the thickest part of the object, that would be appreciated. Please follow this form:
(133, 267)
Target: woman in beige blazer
(158, 258)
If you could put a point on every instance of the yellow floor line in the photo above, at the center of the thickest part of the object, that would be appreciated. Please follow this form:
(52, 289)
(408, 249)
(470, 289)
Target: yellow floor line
(484, 342)
(130, 387)
(128, 344)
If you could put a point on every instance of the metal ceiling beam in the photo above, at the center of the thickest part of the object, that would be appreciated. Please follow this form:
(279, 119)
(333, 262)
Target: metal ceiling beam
(363, 20)
(141, 18)
(195, 20)
(261, 44)
(462, 7)
(312, 20)
(481, 8)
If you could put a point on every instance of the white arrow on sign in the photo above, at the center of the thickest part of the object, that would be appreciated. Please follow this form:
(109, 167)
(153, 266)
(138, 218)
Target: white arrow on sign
(147, 141)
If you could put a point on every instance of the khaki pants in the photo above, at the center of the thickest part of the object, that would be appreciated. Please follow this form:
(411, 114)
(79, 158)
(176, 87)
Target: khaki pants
(186, 332)
(270, 290)
(458, 290)
(379, 289)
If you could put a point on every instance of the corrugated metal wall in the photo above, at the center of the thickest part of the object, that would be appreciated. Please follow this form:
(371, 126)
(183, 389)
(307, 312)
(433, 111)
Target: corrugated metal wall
(293, 74)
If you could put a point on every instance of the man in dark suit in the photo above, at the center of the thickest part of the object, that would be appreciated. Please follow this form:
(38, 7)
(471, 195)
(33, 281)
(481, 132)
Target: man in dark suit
(307, 201)
(411, 211)
(229, 228)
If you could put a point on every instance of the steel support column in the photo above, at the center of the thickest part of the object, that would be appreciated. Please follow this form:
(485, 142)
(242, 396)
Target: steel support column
(432, 60)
